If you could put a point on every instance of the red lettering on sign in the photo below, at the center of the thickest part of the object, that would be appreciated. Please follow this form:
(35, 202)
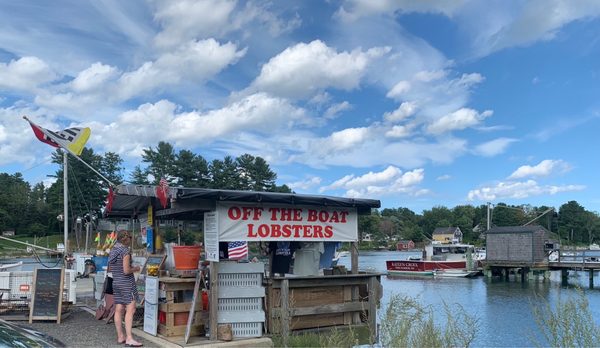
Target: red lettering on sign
(251, 233)
(234, 213)
(286, 231)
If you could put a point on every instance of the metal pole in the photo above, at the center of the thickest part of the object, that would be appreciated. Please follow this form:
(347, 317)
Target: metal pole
(65, 204)
(488, 216)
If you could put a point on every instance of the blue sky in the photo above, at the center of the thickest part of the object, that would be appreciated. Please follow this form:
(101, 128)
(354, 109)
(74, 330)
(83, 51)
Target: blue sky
(414, 103)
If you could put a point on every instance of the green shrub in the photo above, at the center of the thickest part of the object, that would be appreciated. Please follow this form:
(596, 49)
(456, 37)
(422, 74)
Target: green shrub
(406, 323)
(568, 324)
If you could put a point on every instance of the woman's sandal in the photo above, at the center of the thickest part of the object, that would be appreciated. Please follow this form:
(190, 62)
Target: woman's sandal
(134, 344)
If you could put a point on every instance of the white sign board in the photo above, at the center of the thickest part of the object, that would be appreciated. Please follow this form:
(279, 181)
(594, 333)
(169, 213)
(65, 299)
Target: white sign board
(211, 236)
(151, 305)
(238, 221)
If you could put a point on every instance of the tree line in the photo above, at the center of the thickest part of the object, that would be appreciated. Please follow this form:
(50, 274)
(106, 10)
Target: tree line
(33, 210)
(571, 223)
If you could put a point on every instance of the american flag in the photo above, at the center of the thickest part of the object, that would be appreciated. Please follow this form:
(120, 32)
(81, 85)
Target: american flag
(237, 250)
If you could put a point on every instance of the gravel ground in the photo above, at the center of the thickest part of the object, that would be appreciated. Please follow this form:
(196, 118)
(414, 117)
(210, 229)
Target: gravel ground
(81, 329)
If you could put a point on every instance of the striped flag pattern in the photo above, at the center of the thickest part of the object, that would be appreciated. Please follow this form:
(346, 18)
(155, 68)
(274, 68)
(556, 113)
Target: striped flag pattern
(237, 250)
(71, 139)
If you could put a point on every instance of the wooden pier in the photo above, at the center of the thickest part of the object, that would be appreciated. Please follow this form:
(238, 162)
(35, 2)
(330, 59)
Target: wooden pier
(568, 260)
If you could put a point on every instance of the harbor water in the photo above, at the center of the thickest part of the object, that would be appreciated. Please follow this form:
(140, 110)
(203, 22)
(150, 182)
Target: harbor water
(504, 309)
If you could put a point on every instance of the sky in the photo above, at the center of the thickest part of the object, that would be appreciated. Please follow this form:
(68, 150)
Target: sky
(415, 103)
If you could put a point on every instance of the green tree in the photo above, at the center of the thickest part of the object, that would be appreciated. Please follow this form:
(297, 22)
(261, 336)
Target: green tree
(436, 217)
(191, 170)
(14, 207)
(572, 222)
(224, 174)
(161, 161)
(139, 176)
(254, 173)
(463, 216)
(505, 215)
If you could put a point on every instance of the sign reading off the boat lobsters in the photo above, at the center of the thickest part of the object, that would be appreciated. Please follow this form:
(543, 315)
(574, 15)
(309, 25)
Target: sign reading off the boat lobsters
(286, 222)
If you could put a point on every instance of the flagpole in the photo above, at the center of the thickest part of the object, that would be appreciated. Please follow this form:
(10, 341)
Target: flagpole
(66, 206)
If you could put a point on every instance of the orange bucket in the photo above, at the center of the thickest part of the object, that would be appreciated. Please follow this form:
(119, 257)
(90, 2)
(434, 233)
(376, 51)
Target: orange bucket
(186, 257)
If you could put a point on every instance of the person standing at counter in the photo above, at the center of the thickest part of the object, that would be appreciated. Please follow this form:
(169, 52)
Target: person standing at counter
(282, 253)
(124, 288)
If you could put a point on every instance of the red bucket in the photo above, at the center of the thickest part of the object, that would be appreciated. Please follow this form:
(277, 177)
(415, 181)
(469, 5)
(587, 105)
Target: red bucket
(186, 257)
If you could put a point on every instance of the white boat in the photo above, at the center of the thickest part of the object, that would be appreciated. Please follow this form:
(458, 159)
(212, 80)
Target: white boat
(11, 267)
(594, 246)
(455, 273)
(439, 257)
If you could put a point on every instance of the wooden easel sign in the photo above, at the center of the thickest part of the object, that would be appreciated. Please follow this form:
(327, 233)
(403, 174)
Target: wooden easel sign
(46, 295)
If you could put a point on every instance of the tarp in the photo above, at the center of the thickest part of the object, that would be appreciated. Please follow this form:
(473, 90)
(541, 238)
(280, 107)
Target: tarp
(132, 199)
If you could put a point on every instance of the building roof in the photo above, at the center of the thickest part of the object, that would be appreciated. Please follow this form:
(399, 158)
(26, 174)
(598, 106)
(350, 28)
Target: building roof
(136, 198)
(515, 229)
(444, 230)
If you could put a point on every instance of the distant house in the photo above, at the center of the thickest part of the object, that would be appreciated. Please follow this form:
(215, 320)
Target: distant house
(405, 245)
(367, 238)
(517, 244)
(447, 235)
(8, 233)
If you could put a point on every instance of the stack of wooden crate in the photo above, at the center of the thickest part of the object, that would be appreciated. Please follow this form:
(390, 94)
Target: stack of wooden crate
(173, 315)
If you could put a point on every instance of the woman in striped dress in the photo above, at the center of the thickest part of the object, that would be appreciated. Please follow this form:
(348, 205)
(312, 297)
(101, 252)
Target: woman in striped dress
(124, 288)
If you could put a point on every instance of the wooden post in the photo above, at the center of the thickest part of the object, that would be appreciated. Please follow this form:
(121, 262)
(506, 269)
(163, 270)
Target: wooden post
(354, 257)
(355, 291)
(285, 311)
(564, 276)
(591, 274)
(373, 296)
(214, 300)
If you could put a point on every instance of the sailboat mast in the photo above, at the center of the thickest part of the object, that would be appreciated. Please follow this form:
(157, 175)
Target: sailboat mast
(65, 204)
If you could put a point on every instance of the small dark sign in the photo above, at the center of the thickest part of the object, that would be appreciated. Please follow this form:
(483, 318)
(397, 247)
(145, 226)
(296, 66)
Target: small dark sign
(46, 295)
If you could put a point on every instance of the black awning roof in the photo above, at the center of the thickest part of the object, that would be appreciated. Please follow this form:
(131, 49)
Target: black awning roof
(135, 198)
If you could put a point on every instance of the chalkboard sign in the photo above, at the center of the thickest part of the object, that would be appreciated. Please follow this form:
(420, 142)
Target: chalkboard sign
(46, 295)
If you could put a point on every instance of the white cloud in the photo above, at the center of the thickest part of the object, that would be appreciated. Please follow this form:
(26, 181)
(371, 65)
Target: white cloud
(150, 123)
(544, 168)
(509, 24)
(443, 177)
(354, 9)
(518, 190)
(94, 78)
(372, 184)
(334, 110)
(437, 94)
(309, 183)
(405, 110)
(306, 69)
(25, 74)
(398, 132)
(185, 20)
(458, 120)
(195, 61)
(493, 147)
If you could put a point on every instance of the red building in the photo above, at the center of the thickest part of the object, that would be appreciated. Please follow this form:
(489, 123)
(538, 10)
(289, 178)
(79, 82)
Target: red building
(405, 245)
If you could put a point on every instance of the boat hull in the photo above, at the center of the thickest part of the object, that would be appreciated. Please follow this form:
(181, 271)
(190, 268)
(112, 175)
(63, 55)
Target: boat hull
(11, 267)
(419, 267)
(456, 273)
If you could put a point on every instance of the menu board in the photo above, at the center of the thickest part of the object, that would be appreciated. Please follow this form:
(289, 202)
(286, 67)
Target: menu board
(151, 305)
(211, 236)
(46, 295)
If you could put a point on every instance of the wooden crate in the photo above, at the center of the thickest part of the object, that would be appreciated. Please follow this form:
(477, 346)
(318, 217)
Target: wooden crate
(177, 312)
